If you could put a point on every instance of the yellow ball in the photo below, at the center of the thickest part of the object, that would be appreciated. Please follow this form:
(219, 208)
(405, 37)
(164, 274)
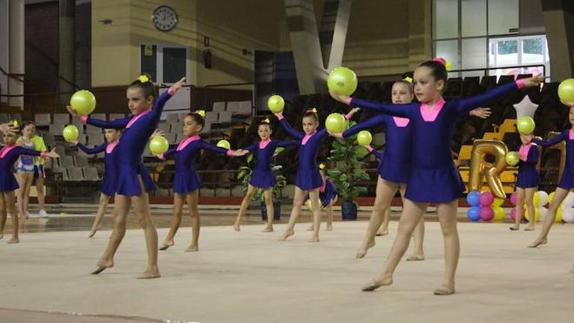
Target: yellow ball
(512, 158)
(276, 103)
(224, 144)
(336, 123)
(158, 145)
(566, 91)
(71, 133)
(525, 125)
(342, 80)
(536, 215)
(364, 138)
(83, 102)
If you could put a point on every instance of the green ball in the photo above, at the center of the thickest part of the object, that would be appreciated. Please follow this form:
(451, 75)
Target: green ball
(512, 158)
(342, 80)
(83, 102)
(336, 123)
(276, 103)
(71, 133)
(525, 125)
(224, 144)
(566, 91)
(158, 145)
(364, 138)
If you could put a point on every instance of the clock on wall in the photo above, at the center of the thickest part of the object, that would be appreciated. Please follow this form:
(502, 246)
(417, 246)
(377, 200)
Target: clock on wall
(164, 18)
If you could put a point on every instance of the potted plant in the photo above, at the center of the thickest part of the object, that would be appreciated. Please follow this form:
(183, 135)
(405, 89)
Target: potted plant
(348, 174)
(245, 176)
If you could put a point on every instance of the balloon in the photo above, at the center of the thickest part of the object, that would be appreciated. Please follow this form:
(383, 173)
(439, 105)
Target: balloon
(486, 213)
(536, 215)
(158, 145)
(558, 217)
(542, 197)
(473, 213)
(309, 205)
(536, 199)
(525, 125)
(276, 103)
(566, 91)
(497, 202)
(568, 214)
(512, 158)
(83, 102)
(498, 214)
(513, 213)
(513, 198)
(569, 200)
(551, 197)
(71, 133)
(543, 212)
(335, 123)
(224, 144)
(486, 199)
(491, 171)
(364, 138)
(342, 80)
(473, 198)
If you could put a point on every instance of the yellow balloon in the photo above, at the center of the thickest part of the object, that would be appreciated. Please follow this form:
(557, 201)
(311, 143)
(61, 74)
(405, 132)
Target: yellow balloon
(536, 200)
(364, 138)
(335, 123)
(536, 215)
(309, 205)
(566, 91)
(498, 201)
(71, 133)
(512, 158)
(558, 217)
(224, 144)
(83, 102)
(499, 214)
(276, 103)
(342, 80)
(550, 197)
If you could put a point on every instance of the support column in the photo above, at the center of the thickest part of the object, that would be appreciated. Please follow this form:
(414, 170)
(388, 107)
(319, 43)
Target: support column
(306, 45)
(16, 52)
(559, 25)
(67, 58)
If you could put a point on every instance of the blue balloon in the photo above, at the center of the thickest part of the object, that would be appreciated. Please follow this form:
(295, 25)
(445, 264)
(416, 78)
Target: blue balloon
(474, 213)
(473, 198)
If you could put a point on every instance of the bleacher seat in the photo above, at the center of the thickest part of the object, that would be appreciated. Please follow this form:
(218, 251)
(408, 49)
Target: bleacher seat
(211, 117)
(91, 174)
(218, 107)
(99, 116)
(61, 118)
(81, 161)
(75, 174)
(114, 116)
(42, 119)
(172, 117)
(245, 108)
(66, 161)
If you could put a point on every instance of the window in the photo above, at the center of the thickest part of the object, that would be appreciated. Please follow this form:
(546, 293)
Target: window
(529, 50)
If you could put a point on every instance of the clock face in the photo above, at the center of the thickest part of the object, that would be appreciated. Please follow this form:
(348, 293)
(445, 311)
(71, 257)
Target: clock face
(164, 18)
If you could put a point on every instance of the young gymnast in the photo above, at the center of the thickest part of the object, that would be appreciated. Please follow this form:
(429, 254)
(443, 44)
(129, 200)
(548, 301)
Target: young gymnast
(262, 176)
(130, 189)
(433, 177)
(308, 179)
(25, 168)
(108, 189)
(527, 181)
(395, 165)
(566, 181)
(9, 153)
(328, 196)
(186, 182)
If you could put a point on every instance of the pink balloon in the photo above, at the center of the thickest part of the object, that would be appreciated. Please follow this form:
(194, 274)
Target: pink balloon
(486, 198)
(513, 198)
(513, 214)
(486, 213)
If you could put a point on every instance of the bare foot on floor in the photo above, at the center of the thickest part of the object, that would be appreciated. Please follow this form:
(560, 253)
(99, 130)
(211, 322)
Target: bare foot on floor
(14, 240)
(92, 233)
(443, 291)
(329, 227)
(362, 252)
(102, 265)
(310, 228)
(314, 239)
(382, 233)
(167, 244)
(236, 227)
(529, 229)
(376, 283)
(1, 236)
(538, 242)
(416, 258)
(287, 234)
(514, 228)
(192, 248)
(268, 229)
(150, 274)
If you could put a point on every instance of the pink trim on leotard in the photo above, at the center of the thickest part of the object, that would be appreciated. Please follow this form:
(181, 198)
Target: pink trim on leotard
(401, 122)
(571, 134)
(264, 143)
(134, 119)
(430, 115)
(110, 147)
(520, 84)
(523, 151)
(187, 141)
(323, 187)
(307, 137)
(5, 150)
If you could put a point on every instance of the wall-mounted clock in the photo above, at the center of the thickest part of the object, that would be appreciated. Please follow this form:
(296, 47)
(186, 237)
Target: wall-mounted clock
(164, 18)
